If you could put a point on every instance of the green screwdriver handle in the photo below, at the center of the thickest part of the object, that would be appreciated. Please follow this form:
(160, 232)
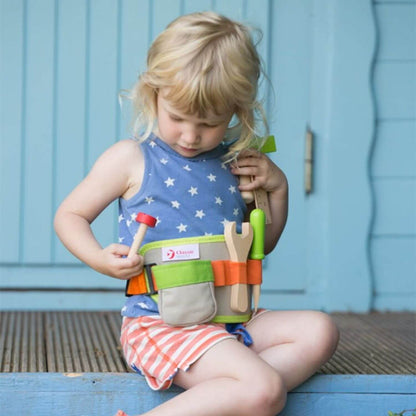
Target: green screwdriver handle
(258, 222)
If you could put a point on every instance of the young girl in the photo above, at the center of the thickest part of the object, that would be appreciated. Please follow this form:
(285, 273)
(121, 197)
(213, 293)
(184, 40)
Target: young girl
(199, 89)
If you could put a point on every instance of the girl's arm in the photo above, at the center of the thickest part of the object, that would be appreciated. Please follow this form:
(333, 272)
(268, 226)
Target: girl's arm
(117, 173)
(272, 179)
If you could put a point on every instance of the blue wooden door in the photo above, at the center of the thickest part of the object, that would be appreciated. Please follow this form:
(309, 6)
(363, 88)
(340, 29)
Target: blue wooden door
(63, 64)
(322, 56)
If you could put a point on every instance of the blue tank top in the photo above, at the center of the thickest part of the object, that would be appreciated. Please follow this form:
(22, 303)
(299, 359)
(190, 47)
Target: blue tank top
(189, 197)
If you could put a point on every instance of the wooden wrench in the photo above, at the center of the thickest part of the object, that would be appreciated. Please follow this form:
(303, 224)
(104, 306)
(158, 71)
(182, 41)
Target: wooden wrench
(238, 246)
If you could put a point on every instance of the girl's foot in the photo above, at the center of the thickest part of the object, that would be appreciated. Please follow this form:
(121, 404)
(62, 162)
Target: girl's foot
(120, 413)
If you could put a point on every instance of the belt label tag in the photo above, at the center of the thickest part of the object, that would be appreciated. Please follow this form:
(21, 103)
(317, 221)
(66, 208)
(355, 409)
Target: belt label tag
(183, 252)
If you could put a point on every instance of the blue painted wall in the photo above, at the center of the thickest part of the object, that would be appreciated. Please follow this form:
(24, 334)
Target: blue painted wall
(393, 162)
(345, 68)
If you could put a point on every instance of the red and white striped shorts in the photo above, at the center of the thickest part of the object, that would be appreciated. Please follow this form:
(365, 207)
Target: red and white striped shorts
(157, 350)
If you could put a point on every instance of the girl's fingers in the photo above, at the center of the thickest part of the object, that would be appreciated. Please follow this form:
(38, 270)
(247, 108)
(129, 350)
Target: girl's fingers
(119, 249)
(249, 153)
(247, 162)
(251, 186)
(247, 171)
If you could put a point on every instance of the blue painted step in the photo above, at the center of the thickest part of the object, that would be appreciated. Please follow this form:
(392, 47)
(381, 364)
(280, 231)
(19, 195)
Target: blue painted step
(102, 394)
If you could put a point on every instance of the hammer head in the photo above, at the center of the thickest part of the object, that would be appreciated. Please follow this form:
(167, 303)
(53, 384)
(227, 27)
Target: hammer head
(146, 219)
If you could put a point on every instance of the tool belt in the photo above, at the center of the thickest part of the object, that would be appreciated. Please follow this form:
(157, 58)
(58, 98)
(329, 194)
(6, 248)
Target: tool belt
(191, 280)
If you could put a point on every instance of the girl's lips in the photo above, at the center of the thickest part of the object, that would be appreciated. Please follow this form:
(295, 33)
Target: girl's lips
(188, 150)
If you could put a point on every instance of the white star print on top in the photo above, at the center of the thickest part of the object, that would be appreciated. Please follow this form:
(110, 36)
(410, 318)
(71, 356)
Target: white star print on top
(189, 196)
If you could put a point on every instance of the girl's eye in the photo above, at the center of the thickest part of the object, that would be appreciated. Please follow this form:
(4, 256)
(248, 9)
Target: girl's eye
(175, 118)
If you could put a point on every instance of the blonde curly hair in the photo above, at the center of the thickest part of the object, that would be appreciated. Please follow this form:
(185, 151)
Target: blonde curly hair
(205, 63)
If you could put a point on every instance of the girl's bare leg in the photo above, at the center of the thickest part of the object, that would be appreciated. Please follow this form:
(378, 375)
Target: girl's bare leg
(228, 380)
(297, 343)
(231, 379)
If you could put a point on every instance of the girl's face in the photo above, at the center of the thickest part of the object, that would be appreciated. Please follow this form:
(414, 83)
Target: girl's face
(187, 134)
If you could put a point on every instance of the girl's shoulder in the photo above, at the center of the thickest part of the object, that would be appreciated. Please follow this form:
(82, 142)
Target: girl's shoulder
(126, 148)
(131, 156)
(122, 156)
(125, 160)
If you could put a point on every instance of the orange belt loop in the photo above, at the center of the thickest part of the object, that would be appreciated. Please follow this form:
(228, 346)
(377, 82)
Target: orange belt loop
(230, 273)
(254, 272)
(237, 272)
(220, 273)
(137, 285)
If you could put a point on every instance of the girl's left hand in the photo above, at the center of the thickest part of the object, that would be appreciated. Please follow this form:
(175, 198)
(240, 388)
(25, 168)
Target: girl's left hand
(264, 172)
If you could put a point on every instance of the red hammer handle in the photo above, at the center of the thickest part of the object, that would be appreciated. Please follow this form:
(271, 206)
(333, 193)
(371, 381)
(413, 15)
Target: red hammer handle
(138, 238)
(145, 222)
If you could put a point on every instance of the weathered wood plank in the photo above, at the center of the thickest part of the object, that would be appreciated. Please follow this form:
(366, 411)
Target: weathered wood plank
(89, 342)
(375, 344)
(93, 395)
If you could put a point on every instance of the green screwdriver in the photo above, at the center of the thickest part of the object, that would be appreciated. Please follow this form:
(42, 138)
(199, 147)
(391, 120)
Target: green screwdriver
(258, 222)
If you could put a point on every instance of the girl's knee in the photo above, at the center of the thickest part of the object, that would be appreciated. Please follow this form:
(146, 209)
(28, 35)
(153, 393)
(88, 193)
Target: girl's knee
(325, 335)
(266, 394)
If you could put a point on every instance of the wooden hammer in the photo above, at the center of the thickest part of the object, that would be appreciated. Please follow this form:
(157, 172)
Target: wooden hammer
(145, 222)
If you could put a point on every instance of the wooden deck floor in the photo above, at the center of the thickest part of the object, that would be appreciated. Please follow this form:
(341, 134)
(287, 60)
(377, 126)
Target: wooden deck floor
(376, 343)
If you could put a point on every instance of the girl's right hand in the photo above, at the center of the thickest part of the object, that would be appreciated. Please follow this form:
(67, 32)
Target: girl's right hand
(113, 261)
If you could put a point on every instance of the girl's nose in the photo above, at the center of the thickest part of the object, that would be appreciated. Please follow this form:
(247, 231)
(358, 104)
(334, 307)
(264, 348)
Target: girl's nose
(191, 136)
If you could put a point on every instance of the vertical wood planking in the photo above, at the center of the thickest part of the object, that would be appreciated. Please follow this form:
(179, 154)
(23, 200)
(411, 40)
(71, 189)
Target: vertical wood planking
(134, 42)
(162, 12)
(232, 8)
(191, 6)
(16, 343)
(102, 102)
(38, 331)
(102, 77)
(12, 72)
(80, 345)
(50, 342)
(69, 135)
(106, 347)
(38, 132)
(6, 344)
(258, 14)
(65, 355)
